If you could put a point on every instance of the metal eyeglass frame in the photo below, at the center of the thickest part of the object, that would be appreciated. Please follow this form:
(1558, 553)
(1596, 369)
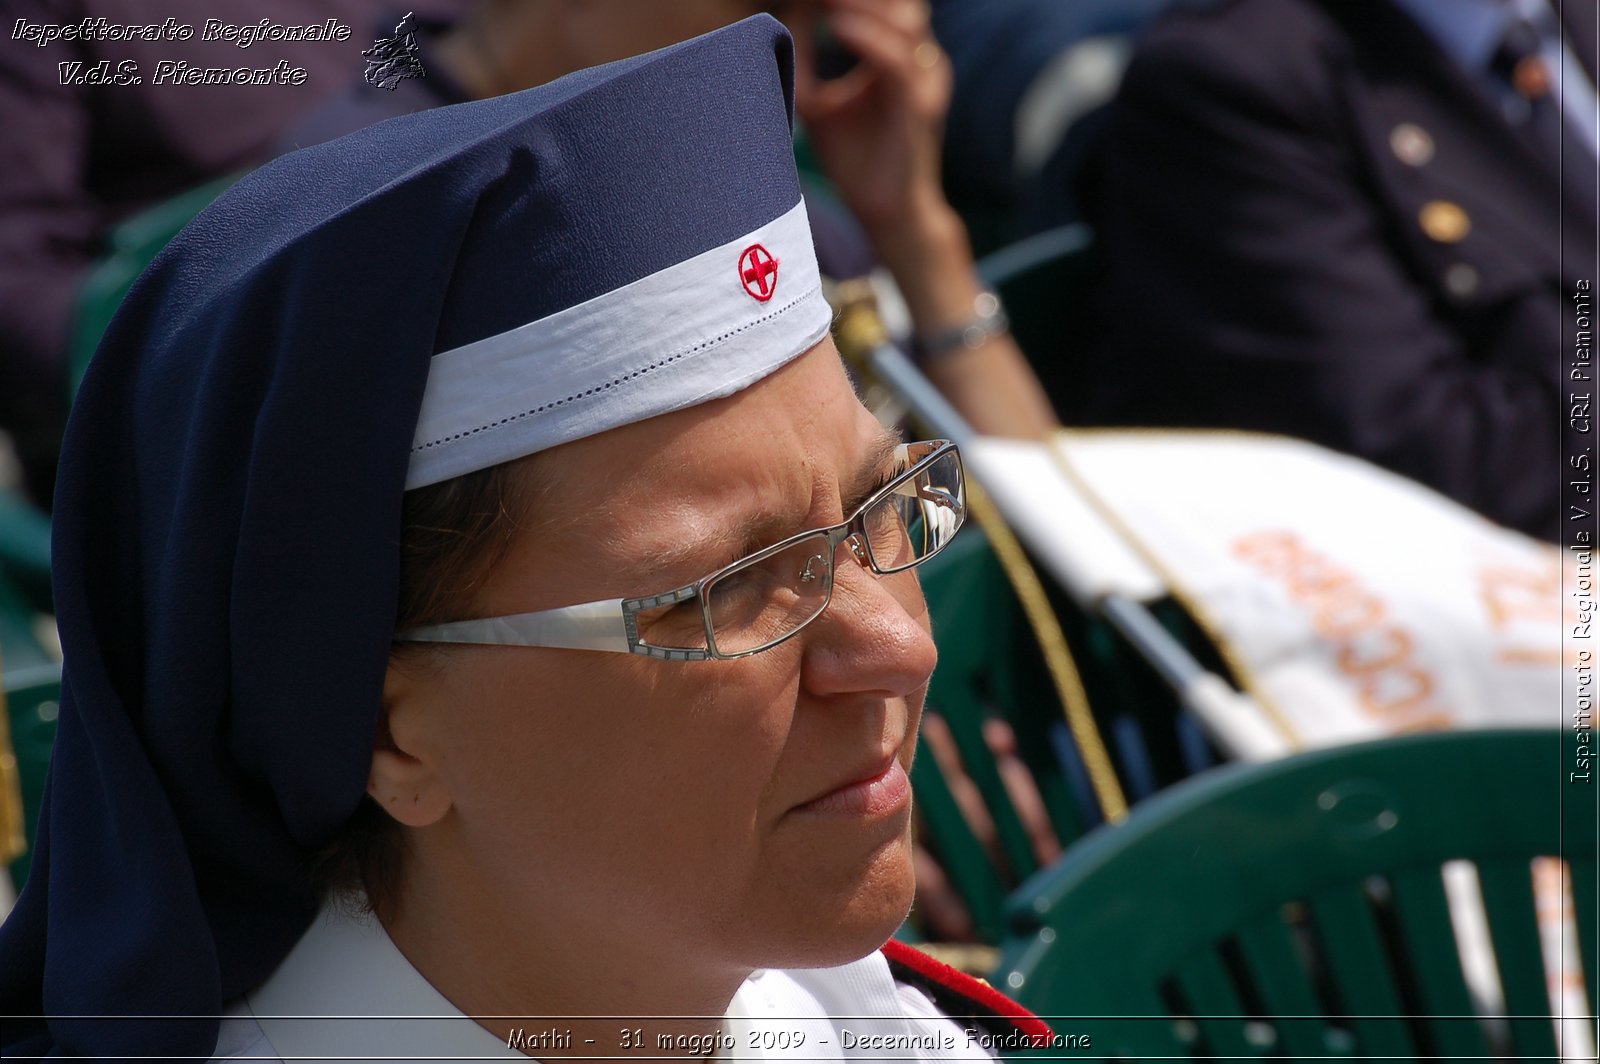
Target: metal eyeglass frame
(612, 624)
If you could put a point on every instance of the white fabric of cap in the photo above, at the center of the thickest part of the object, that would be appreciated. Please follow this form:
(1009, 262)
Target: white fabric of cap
(678, 337)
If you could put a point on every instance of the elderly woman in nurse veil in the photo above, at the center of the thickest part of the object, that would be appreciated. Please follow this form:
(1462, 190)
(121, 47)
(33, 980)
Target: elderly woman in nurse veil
(485, 599)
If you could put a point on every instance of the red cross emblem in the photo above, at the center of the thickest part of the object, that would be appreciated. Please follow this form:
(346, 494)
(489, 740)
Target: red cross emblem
(758, 272)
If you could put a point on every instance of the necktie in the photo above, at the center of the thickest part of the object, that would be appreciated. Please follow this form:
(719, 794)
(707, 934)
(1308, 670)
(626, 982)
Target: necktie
(1533, 106)
(1520, 66)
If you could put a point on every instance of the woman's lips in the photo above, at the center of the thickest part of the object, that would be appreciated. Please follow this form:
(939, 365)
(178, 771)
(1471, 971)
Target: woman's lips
(884, 793)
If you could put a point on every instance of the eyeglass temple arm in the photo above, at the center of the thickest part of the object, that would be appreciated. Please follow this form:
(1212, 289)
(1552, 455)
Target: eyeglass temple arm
(589, 626)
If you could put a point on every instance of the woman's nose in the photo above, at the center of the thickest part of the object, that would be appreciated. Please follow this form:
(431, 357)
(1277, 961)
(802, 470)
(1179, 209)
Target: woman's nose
(873, 638)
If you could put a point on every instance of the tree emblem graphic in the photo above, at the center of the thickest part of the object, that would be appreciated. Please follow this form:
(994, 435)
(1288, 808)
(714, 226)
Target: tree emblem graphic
(391, 60)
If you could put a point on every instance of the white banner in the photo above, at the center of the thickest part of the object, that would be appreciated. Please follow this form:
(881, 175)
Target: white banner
(1353, 604)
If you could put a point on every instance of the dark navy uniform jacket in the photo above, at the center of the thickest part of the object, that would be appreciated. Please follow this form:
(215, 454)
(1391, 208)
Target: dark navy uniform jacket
(1316, 223)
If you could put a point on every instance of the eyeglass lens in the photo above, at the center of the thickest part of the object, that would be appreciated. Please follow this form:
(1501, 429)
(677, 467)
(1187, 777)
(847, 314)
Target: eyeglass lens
(759, 604)
(762, 603)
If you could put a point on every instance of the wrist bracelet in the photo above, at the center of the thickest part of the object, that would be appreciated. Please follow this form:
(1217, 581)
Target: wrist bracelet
(988, 321)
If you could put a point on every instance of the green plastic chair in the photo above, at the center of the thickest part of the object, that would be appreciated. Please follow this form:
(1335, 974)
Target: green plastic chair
(19, 642)
(1296, 908)
(32, 702)
(25, 548)
(990, 665)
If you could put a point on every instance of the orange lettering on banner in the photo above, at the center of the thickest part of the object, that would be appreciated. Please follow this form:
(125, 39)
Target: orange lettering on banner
(1512, 595)
(1315, 578)
(1399, 648)
(1346, 615)
(1378, 689)
(1271, 552)
(1524, 603)
(1377, 656)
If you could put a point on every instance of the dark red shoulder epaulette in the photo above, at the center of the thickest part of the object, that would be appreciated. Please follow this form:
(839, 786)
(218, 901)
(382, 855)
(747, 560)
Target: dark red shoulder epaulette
(966, 999)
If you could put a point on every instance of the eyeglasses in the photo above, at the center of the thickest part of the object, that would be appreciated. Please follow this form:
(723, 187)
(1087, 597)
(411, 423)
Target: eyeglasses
(763, 598)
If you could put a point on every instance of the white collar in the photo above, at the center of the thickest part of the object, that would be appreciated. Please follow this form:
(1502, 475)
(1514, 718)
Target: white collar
(346, 991)
(347, 966)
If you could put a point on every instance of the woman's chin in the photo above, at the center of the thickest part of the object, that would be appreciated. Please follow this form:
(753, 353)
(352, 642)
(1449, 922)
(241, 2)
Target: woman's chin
(833, 924)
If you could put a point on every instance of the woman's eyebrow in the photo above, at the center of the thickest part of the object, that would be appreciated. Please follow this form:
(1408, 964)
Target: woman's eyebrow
(740, 538)
(872, 470)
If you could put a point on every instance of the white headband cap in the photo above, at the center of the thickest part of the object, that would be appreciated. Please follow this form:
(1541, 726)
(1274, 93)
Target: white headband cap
(697, 330)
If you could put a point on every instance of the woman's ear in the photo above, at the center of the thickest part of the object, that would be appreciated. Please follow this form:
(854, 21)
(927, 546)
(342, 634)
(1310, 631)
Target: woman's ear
(404, 779)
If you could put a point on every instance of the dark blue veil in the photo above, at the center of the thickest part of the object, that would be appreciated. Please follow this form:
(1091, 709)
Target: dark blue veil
(228, 506)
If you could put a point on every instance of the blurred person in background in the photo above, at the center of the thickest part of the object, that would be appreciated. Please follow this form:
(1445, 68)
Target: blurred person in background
(1032, 81)
(1368, 223)
(82, 155)
(872, 87)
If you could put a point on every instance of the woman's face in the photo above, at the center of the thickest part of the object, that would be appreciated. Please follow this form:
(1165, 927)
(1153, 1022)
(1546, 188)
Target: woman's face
(676, 804)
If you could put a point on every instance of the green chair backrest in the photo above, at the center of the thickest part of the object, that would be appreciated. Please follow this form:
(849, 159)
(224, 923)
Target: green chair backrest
(32, 701)
(25, 548)
(1297, 908)
(20, 647)
(130, 247)
(989, 665)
